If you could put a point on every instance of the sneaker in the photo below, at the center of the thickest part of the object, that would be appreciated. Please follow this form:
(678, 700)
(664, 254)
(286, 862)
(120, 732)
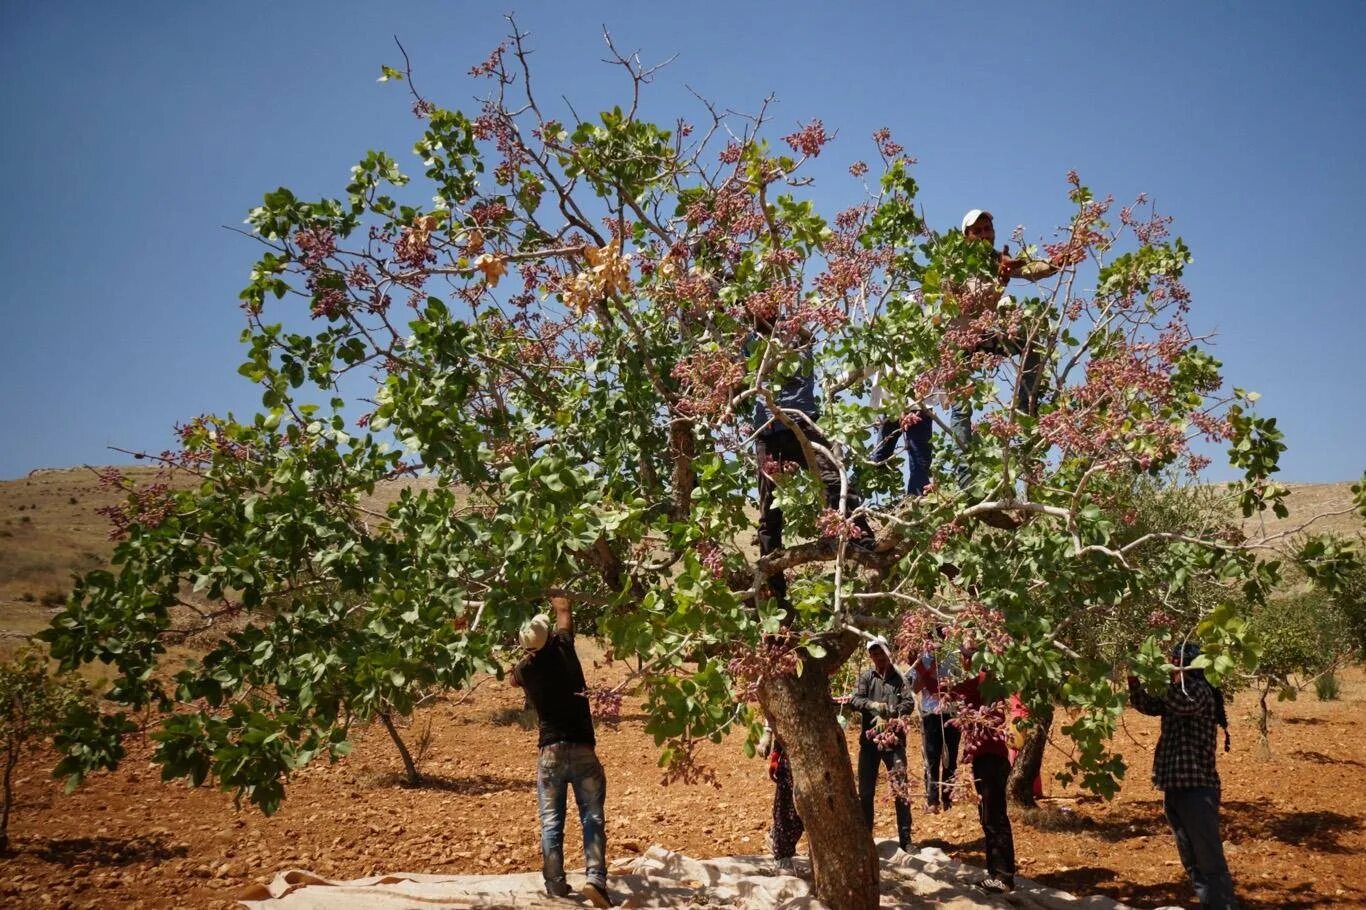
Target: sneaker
(995, 884)
(597, 895)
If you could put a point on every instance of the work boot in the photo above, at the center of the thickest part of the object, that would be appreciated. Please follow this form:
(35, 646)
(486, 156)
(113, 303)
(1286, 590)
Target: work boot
(597, 894)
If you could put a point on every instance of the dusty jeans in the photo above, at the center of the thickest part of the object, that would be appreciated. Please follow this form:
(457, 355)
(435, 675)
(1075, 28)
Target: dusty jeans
(561, 766)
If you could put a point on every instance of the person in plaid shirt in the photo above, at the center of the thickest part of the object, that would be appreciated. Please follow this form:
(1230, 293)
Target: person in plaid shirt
(1184, 770)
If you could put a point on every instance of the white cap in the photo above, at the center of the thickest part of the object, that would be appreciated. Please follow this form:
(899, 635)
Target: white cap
(879, 642)
(971, 218)
(535, 632)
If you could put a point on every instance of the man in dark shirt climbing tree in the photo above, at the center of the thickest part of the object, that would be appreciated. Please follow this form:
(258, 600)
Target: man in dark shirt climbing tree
(553, 680)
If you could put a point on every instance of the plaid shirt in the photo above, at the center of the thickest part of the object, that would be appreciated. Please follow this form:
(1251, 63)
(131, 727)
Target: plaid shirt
(1187, 746)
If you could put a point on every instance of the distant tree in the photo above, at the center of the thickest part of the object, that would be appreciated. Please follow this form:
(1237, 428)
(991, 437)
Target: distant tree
(34, 704)
(568, 327)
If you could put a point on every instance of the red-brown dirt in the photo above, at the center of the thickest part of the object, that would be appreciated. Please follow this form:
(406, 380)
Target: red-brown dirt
(1295, 825)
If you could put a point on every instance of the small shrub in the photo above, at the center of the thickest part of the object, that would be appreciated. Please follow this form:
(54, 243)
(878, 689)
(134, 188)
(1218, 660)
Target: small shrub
(33, 702)
(72, 500)
(23, 508)
(28, 597)
(54, 598)
(24, 519)
(1328, 687)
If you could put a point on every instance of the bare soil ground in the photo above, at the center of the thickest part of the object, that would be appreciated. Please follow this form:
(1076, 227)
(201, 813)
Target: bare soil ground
(1295, 825)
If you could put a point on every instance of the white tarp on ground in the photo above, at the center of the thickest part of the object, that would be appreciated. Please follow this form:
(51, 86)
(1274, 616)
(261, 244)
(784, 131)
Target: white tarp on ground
(661, 878)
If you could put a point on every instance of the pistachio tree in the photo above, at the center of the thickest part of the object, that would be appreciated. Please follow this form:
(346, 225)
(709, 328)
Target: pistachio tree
(553, 337)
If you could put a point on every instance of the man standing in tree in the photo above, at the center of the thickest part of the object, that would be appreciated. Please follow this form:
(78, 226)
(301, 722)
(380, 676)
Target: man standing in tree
(882, 695)
(979, 227)
(777, 448)
(1184, 770)
(553, 680)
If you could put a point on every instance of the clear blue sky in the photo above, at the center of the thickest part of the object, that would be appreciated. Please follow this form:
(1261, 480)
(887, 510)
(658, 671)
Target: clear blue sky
(133, 130)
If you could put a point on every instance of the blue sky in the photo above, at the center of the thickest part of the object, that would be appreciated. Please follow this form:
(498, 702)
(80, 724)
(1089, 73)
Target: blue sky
(135, 130)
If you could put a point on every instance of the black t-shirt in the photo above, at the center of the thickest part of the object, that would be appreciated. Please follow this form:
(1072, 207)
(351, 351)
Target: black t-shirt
(553, 680)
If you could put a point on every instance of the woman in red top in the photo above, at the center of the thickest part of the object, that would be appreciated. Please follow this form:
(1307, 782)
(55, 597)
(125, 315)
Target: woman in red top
(984, 749)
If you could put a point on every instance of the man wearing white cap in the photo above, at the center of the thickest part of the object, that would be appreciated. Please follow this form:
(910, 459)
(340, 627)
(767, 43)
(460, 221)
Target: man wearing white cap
(882, 693)
(978, 226)
(553, 680)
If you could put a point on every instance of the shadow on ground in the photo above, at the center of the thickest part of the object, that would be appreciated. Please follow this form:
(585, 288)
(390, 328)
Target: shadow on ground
(102, 851)
(1175, 893)
(474, 785)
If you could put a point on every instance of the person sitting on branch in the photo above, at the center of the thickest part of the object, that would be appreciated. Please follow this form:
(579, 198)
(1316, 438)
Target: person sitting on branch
(779, 442)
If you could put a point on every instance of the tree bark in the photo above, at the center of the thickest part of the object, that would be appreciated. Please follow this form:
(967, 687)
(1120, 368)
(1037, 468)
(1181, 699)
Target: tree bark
(682, 449)
(1029, 761)
(11, 757)
(414, 778)
(843, 857)
(1264, 724)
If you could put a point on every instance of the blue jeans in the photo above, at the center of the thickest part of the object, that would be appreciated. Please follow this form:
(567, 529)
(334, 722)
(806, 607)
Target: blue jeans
(562, 765)
(1193, 814)
(918, 449)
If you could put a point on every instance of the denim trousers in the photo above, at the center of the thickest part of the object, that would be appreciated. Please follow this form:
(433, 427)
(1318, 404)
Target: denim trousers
(919, 451)
(1193, 813)
(561, 766)
(939, 741)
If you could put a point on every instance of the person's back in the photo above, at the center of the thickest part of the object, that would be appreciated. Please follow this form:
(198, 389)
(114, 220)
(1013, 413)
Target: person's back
(553, 680)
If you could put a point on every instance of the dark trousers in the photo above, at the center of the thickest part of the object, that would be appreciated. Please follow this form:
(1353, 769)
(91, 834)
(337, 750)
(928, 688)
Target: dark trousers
(787, 824)
(781, 445)
(869, 758)
(918, 449)
(989, 773)
(1193, 814)
(939, 742)
(1026, 395)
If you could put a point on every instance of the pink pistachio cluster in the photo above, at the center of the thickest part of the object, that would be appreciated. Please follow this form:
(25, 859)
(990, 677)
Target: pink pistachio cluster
(809, 140)
(604, 704)
(775, 656)
(832, 524)
(712, 557)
